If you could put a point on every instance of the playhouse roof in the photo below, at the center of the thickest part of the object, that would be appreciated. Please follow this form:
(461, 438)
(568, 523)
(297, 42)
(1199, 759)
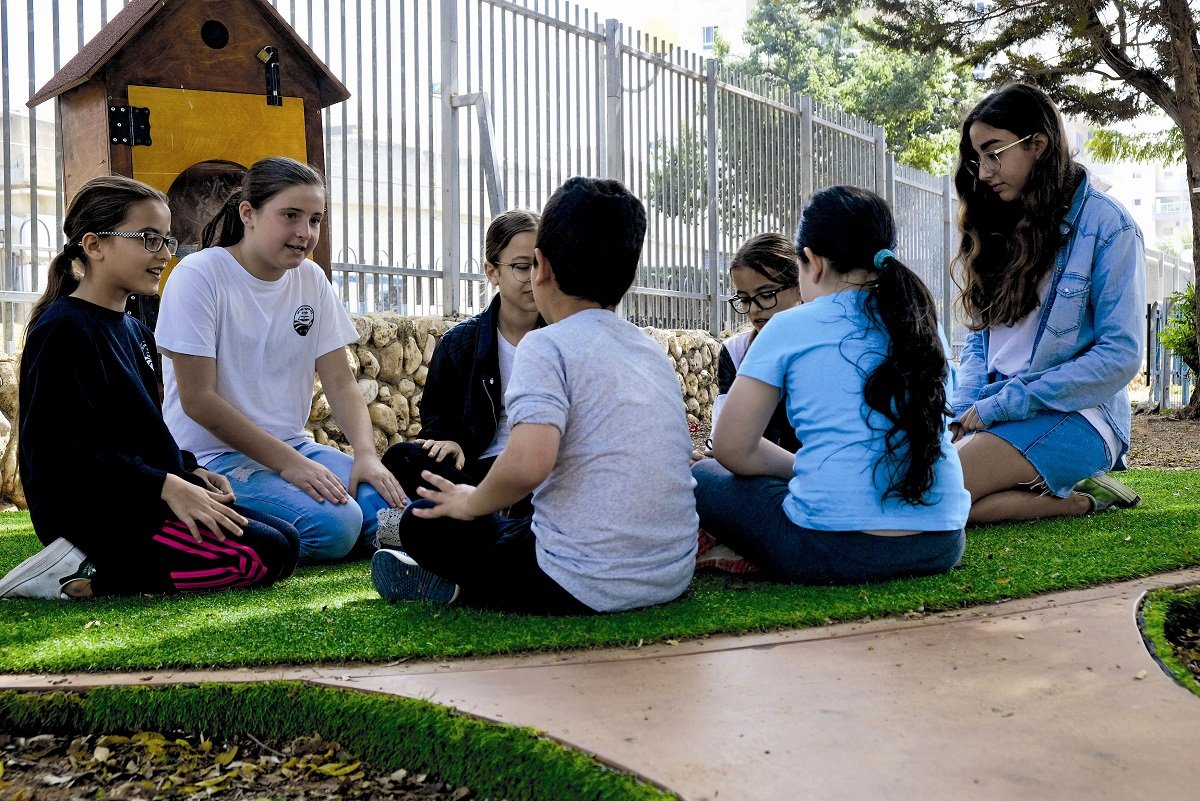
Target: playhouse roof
(124, 28)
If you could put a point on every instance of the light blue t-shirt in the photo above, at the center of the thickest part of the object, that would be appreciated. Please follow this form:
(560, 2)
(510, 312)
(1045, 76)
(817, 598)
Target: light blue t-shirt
(615, 521)
(820, 354)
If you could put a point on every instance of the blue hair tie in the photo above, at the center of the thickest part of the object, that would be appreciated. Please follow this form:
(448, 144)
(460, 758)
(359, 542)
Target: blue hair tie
(881, 256)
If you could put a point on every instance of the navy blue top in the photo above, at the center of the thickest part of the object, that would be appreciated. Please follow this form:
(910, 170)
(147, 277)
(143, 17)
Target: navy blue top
(93, 448)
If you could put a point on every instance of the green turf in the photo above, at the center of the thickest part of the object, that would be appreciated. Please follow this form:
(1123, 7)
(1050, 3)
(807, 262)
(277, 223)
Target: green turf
(497, 761)
(332, 614)
(1161, 610)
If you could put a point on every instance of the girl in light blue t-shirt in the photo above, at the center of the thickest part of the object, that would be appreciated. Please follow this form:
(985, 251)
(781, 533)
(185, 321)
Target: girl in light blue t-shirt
(876, 491)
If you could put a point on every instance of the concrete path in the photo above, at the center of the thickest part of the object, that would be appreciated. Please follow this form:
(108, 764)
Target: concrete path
(1045, 698)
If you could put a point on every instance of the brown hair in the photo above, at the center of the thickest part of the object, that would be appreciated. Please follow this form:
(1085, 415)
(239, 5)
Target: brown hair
(770, 255)
(502, 230)
(101, 204)
(1008, 248)
(264, 180)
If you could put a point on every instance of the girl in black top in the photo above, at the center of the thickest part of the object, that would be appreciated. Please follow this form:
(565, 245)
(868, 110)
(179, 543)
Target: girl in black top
(120, 508)
(463, 423)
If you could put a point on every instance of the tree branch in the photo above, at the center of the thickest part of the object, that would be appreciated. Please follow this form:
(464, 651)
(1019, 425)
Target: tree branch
(1150, 84)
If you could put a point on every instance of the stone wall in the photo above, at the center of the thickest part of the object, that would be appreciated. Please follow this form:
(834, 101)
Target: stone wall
(390, 361)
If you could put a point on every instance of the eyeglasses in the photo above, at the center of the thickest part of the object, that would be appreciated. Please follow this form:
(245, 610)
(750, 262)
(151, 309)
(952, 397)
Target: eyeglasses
(152, 242)
(991, 159)
(767, 299)
(521, 270)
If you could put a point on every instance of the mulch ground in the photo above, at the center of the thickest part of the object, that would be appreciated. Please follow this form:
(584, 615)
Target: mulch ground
(149, 765)
(1161, 442)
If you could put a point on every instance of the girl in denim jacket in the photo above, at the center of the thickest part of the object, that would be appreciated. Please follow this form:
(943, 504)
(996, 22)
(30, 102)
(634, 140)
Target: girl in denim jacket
(1053, 294)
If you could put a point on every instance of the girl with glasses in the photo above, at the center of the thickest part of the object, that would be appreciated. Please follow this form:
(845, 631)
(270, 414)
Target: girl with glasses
(245, 323)
(765, 274)
(464, 426)
(876, 491)
(1053, 277)
(120, 509)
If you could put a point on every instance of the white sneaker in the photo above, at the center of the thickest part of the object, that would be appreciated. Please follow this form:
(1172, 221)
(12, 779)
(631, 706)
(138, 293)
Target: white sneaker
(42, 575)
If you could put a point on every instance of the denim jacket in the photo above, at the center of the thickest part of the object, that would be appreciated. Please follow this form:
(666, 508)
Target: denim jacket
(1091, 329)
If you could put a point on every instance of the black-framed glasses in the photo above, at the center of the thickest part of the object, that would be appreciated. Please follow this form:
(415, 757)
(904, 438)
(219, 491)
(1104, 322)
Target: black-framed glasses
(767, 299)
(521, 270)
(152, 242)
(991, 159)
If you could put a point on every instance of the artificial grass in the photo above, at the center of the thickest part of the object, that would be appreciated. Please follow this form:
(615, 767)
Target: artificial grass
(494, 760)
(332, 614)
(1162, 609)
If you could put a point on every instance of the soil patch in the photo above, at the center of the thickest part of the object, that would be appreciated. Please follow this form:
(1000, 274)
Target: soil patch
(1162, 442)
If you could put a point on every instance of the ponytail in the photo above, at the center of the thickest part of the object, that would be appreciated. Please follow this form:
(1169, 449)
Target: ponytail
(853, 229)
(226, 227)
(908, 387)
(61, 281)
(101, 204)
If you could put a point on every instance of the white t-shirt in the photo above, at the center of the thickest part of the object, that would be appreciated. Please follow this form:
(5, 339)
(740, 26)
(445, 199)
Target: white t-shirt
(265, 335)
(1010, 349)
(505, 353)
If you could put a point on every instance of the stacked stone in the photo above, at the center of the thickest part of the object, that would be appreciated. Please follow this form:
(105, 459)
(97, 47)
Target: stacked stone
(695, 356)
(390, 361)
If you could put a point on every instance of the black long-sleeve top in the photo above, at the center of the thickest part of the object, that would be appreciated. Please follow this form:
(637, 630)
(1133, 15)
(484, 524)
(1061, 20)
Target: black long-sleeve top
(93, 449)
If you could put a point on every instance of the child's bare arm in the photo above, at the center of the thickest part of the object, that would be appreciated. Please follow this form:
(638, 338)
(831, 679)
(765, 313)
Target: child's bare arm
(525, 463)
(738, 443)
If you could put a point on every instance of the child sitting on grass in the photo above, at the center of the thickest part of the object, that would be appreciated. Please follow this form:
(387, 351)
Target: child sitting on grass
(598, 435)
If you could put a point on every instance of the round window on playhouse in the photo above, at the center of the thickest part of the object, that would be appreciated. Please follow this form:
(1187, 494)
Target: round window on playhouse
(214, 34)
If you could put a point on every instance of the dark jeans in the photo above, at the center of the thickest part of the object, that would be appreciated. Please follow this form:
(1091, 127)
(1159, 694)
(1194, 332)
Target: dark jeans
(492, 560)
(406, 460)
(746, 513)
(165, 559)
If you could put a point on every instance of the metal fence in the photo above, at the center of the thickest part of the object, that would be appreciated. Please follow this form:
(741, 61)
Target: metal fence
(462, 108)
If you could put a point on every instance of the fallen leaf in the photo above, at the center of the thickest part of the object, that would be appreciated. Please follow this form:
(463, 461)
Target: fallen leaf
(1004, 580)
(1141, 674)
(101, 753)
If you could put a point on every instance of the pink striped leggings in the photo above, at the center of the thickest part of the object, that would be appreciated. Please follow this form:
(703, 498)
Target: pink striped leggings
(172, 561)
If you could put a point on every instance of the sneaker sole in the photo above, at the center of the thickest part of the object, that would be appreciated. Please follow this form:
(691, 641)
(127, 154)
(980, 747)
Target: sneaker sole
(395, 580)
(38, 565)
(1125, 497)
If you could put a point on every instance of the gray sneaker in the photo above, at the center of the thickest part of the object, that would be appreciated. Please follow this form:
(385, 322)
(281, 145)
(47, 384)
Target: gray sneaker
(398, 577)
(43, 574)
(1106, 493)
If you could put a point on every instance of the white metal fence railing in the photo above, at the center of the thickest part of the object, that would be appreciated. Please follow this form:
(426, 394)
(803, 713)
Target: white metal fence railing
(461, 108)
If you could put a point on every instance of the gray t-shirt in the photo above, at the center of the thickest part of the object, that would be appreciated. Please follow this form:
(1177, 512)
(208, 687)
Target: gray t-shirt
(615, 521)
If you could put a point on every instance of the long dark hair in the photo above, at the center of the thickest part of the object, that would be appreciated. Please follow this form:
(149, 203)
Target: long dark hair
(849, 227)
(503, 228)
(1008, 248)
(264, 180)
(770, 255)
(101, 204)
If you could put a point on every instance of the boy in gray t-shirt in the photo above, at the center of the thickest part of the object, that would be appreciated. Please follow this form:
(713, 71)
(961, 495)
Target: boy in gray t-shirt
(598, 435)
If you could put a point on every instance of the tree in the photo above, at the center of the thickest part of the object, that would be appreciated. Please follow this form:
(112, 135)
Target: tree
(917, 97)
(1107, 60)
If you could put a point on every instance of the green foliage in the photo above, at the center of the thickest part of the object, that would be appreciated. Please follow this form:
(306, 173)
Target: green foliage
(331, 614)
(1179, 334)
(916, 95)
(498, 761)
(1107, 146)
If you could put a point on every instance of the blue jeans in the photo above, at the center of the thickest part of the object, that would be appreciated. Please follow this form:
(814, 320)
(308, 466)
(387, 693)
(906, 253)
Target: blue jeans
(746, 513)
(327, 530)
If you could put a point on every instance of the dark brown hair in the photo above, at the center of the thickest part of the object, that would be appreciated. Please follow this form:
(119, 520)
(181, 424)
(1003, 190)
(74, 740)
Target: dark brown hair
(101, 204)
(1008, 248)
(770, 255)
(264, 180)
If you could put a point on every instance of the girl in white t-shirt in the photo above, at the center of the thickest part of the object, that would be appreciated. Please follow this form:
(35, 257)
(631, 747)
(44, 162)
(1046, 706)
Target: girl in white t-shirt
(244, 323)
